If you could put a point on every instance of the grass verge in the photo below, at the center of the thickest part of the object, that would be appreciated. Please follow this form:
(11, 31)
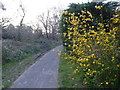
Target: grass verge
(13, 69)
(67, 79)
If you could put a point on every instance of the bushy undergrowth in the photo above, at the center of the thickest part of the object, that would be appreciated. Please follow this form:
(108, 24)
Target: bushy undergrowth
(18, 56)
(16, 51)
(92, 46)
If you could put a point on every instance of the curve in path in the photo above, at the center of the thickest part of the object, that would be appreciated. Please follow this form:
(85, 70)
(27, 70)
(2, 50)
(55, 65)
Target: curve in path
(43, 73)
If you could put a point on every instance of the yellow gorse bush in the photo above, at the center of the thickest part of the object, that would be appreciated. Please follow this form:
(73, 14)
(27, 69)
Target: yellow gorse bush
(94, 51)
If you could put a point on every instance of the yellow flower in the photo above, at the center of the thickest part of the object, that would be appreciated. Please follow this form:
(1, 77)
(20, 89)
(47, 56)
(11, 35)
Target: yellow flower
(87, 73)
(87, 19)
(94, 71)
(62, 12)
(100, 24)
(85, 25)
(98, 85)
(98, 7)
(106, 82)
(118, 65)
(99, 63)
(102, 65)
(84, 69)
(64, 25)
(64, 34)
(98, 42)
(65, 43)
(81, 64)
(113, 58)
(66, 12)
(90, 15)
(88, 69)
(88, 12)
(85, 82)
(69, 45)
(83, 12)
(84, 65)
(72, 78)
(59, 54)
(72, 14)
(88, 64)
(93, 61)
(116, 20)
(93, 26)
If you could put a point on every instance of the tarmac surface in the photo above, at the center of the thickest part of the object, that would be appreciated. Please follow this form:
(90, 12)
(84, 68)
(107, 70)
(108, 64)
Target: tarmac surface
(43, 73)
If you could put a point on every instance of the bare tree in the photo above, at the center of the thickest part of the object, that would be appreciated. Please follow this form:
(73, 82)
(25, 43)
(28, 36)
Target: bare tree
(23, 14)
(37, 31)
(21, 21)
(50, 22)
(45, 22)
(54, 22)
(4, 22)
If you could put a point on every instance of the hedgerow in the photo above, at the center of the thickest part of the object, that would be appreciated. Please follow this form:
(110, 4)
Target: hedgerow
(92, 44)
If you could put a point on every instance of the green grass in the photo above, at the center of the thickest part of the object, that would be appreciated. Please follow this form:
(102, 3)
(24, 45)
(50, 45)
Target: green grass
(7, 84)
(12, 70)
(67, 79)
(18, 56)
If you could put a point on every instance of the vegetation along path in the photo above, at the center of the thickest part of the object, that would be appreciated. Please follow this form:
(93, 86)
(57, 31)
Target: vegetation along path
(42, 74)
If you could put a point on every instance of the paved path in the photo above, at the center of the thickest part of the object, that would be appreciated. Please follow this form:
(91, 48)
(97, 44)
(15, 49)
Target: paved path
(43, 73)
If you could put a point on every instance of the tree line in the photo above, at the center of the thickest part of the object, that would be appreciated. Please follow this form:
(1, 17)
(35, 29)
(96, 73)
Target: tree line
(47, 26)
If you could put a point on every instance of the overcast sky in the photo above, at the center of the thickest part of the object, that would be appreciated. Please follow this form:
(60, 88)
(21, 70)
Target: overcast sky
(33, 8)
